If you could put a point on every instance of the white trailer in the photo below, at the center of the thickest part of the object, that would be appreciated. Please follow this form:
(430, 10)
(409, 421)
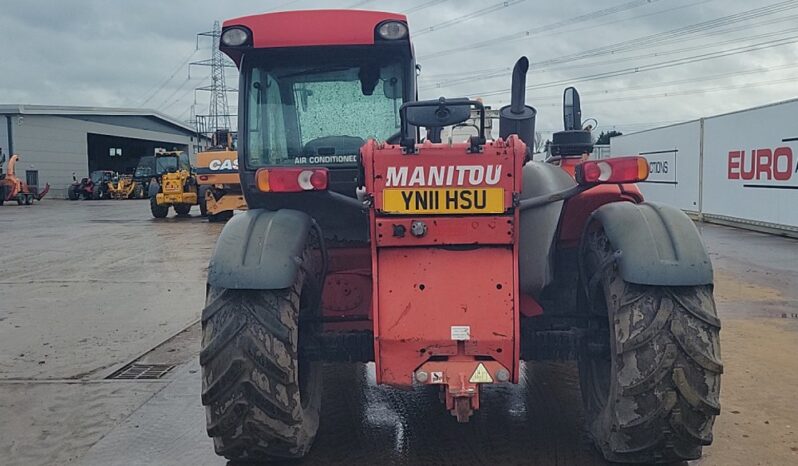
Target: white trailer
(738, 168)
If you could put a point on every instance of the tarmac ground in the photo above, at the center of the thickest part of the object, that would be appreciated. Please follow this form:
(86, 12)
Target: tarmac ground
(91, 286)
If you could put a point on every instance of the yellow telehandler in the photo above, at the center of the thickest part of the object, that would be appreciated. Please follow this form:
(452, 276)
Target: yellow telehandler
(174, 184)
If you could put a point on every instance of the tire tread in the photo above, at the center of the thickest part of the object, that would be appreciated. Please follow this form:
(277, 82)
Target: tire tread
(667, 338)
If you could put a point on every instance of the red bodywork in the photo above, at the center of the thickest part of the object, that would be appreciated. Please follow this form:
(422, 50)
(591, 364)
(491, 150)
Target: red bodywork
(417, 294)
(461, 275)
(311, 28)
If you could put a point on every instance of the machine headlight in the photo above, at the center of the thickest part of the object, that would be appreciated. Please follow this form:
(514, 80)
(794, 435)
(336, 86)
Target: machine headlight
(235, 37)
(392, 30)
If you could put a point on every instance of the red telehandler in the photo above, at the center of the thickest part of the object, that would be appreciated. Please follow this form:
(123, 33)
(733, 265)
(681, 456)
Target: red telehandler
(445, 264)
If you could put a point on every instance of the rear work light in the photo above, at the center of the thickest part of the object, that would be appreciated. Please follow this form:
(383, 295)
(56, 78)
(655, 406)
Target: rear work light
(612, 170)
(235, 36)
(291, 180)
(392, 30)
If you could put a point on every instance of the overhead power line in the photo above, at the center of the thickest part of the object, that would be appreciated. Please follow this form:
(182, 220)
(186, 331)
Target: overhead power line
(283, 5)
(165, 101)
(655, 66)
(167, 80)
(546, 28)
(657, 39)
(359, 4)
(466, 17)
(489, 74)
(168, 102)
(590, 96)
(422, 6)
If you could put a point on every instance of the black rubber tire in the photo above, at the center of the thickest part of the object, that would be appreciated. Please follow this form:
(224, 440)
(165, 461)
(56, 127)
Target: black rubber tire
(202, 201)
(72, 193)
(158, 211)
(98, 194)
(182, 210)
(20, 199)
(29, 199)
(262, 401)
(649, 373)
(138, 192)
(222, 216)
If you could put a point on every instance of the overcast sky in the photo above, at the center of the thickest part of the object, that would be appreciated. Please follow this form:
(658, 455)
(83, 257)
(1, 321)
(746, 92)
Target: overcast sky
(637, 64)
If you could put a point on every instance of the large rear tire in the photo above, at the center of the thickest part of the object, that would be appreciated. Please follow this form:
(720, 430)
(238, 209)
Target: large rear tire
(262, 398)
(158, 211)
(650, 372)
(73, 193)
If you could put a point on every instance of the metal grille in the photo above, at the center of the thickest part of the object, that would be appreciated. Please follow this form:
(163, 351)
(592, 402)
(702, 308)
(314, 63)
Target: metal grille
(142, 371)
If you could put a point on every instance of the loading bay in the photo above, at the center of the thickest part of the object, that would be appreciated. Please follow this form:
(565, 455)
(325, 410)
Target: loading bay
(96, 294)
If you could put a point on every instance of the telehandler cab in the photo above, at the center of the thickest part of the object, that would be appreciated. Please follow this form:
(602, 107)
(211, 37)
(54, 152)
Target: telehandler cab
(445, 264)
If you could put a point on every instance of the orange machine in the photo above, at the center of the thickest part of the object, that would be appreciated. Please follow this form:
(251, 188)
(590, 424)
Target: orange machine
(13, 188)
(217, 176)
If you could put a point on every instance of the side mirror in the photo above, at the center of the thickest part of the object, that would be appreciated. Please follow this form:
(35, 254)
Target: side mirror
(571, 110)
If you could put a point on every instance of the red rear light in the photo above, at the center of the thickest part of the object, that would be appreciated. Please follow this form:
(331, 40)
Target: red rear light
(203, 177)
(291, 180)
(612, 170)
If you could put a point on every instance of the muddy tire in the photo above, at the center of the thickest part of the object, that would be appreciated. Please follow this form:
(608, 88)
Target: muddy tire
(158, 211)
(262, 399)
(73, 194)
(182, 209)
(650, 372)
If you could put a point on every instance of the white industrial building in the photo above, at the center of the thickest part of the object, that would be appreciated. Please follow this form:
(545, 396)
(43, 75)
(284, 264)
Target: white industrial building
(54, 142)
(738, 168)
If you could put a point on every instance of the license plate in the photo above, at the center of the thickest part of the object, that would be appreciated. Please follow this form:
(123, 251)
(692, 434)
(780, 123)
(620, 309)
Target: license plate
(443, 201)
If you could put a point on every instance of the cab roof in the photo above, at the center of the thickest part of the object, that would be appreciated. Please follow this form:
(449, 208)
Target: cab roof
(306, 28)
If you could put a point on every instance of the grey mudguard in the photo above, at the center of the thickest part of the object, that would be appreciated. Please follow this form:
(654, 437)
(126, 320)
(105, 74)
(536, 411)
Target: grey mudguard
(538, 225)
(658, 244)
(260, 250)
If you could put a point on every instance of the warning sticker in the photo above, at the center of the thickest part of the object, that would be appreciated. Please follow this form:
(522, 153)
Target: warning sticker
(481, 375)
(461, 332)
(436, 377)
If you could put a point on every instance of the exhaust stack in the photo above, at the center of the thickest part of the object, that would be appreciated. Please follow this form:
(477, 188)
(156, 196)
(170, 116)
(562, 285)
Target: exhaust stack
(518, 118)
